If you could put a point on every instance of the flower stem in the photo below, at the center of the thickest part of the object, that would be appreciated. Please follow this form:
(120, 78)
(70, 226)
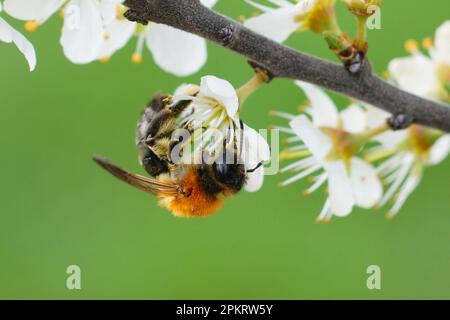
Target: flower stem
(378, 155)
(366, 136)
(361, 36)
(251, 86)
(287, 155)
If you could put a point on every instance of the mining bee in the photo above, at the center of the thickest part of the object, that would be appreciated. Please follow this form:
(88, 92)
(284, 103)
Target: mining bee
(186, 190)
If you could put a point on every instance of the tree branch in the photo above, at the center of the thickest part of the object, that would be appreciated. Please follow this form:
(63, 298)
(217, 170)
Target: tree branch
(281, 61)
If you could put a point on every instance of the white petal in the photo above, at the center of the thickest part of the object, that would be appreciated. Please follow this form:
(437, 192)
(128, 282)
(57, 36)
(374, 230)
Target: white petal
(32, 10)
(222, 91)
(353, 119)
(323, 109)
(442, 43)
(256, 148)
(176, 51)
(118, 33)
(83, 32)
(375, 117)
(255, 180)
(187, 89)
(316, 141)
(208, 3)
(366, 185)
(108, 10)
(440, 150)
(9, 35)
(277, 25)
(416, 75)
(340, 189)
(391, 139)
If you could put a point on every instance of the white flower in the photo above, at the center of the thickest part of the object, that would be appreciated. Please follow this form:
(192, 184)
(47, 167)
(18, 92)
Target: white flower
(175, 51)
(280, 22)
(424, 75)
(405, 155)
(213, 118)
(10, 35)
(82, 33)
(330, 151)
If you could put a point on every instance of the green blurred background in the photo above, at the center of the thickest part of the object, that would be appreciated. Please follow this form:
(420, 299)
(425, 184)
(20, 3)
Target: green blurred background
(58, 208)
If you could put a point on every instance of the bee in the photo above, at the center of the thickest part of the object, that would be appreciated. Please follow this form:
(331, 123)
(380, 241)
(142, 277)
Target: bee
(186, 190)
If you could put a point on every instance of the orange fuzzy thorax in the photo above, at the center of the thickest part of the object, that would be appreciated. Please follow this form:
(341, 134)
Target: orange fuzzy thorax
(196, 202)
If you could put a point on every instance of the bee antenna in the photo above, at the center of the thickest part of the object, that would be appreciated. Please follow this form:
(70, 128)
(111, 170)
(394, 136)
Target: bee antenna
(255, 168)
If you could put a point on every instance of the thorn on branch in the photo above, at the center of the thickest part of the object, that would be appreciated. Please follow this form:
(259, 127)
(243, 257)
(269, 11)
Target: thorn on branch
(226, 35)
(400, 122)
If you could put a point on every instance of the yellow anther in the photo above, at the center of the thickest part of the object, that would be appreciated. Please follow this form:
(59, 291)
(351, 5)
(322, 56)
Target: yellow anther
(61, 13)
(31, 26)
(411, 46)
(136, 58)
(427, 43)
(104, 60)
(106, 36)
(386, 75)
(241, 18)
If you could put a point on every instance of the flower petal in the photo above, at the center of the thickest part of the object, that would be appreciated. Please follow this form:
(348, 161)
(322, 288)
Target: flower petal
(277, 24)
(366, 185)
(340, 189)
(440, 150)
(222, 91)
(323, 109)
(416, 75)
(255, 148)
(9, 35)
(353, 119)
(119, 33)
(316, 141)
(442, 44)
(32, 10)
(255, 180)
(208, 3)
(175, 51)
(83, 32)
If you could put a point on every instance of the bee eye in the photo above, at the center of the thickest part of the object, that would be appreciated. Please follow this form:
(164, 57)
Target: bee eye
(231, 175)
(221, 171)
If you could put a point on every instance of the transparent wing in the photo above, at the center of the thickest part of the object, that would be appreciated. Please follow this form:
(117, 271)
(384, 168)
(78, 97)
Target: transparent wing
(145, 184)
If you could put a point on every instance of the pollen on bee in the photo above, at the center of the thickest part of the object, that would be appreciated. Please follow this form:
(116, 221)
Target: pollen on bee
(411, 46)
(31, 26)
(136, 58)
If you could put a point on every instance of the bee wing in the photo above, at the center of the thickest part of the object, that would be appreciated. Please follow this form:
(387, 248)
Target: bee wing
(145, 184)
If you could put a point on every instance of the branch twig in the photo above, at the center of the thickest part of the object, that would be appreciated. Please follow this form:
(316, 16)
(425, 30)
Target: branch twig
(281, 61)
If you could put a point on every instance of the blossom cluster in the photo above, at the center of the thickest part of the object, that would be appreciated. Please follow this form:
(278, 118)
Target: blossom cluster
(96, 29)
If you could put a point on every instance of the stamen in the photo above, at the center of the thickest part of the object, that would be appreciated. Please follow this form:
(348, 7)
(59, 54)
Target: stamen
(301, 164)
(283, 115)
(320, 180)
(409, 186)
(300, 176)
(325, 214)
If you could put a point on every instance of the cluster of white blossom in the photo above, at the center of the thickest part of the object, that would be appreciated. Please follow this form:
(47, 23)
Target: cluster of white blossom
(96, 29)
(356, 152)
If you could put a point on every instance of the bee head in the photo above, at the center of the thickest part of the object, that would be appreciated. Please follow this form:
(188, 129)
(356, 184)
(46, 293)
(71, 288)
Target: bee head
(230, 175)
